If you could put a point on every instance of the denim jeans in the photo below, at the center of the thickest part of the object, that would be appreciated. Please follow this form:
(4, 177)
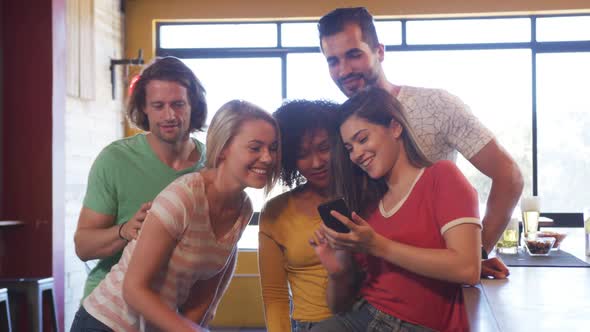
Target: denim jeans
(301, 326)
(364, 317)
(84, 322)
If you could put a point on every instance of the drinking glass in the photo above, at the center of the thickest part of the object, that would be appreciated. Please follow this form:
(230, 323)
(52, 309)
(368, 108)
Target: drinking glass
(508, 243)
(530, 214)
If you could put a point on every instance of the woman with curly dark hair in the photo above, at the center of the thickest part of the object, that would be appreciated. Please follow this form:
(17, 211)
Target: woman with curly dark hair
(286, 260)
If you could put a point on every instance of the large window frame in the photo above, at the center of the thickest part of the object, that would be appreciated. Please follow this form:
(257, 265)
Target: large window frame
(569, 219)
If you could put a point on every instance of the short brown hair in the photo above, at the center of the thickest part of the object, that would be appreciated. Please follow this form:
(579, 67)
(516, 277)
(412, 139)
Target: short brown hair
(336, 20)
(174, 70)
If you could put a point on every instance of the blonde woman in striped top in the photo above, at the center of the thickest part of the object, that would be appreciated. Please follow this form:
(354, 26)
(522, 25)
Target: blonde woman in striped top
(172, 277)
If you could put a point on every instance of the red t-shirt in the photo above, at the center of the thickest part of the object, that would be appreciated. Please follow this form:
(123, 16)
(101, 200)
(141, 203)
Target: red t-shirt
(440, 199)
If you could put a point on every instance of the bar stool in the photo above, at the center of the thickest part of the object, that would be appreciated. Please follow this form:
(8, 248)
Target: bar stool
(4, 311)
(33, 290)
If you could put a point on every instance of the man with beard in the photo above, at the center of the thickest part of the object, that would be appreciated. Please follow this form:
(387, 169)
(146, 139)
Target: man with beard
(168, 102)
(441, 122)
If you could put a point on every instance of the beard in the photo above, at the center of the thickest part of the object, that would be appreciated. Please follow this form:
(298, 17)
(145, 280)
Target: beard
(180, 135)
(366, 79)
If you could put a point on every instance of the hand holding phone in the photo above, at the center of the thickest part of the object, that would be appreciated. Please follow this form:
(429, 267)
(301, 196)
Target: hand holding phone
(329, 220)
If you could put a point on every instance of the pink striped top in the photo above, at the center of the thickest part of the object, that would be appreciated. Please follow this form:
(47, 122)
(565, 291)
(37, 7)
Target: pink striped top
(183, 210)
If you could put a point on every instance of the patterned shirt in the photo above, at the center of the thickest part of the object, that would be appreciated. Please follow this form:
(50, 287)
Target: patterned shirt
(442, 124)
(183, 210)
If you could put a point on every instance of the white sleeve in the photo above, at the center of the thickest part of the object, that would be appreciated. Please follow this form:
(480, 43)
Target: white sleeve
(464, 131)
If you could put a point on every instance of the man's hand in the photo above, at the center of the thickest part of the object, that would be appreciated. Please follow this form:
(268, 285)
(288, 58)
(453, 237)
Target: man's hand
(494, 268)
(130, 230)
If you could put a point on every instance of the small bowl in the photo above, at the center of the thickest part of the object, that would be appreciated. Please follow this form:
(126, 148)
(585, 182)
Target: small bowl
(558, 237)
(539, 246)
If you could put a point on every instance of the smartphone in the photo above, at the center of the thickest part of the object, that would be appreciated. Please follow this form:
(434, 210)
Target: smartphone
(329, 220)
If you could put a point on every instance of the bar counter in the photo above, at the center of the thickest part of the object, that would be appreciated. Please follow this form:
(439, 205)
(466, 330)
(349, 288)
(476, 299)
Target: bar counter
(535, 298)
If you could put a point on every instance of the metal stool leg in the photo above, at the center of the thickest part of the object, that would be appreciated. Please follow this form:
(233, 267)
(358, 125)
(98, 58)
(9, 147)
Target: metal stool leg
(46, 289)
(33, 290)
(35, 303)
(53, 309)
(5, 310)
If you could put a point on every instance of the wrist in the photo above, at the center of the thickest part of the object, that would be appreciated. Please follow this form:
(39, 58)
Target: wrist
(120, 233)
(376, 246)
(484, 253)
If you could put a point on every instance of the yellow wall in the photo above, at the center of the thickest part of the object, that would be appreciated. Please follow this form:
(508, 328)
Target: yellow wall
(242, 305)
(140, 14)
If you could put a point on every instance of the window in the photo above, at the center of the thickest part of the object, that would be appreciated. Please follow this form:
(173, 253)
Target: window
(563, 122)
(469, 31)
(525, 77)
(504, 106)
(567, 28)
(217, 35)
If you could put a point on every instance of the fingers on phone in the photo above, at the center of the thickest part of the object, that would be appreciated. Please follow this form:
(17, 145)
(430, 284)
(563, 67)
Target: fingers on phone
(319, 236)
(357, 219)
(336, 214)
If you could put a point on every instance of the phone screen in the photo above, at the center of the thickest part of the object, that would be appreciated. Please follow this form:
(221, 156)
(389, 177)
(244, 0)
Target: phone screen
(331, 221)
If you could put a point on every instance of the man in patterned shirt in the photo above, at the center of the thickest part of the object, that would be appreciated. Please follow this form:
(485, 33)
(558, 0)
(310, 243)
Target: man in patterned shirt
(442, 124)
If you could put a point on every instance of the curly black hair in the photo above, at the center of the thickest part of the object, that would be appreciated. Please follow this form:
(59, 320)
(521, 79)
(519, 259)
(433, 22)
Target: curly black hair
(297, 118)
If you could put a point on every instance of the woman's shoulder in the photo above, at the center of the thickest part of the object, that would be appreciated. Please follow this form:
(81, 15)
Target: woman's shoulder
(446, 173)
(275, 207)
(187, 185)
(443, 166)
(279, 202)
(190, 180)
(442, 169)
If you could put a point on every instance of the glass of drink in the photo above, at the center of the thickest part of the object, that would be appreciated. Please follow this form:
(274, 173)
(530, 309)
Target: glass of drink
(530, 214)
(508, 243)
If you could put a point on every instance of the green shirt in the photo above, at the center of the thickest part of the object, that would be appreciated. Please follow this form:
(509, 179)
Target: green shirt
(126, 174)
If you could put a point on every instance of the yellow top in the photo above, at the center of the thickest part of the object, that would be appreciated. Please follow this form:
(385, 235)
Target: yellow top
(286, 258)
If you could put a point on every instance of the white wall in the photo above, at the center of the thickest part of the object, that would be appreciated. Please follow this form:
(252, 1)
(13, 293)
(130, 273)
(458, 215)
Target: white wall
(90, 126)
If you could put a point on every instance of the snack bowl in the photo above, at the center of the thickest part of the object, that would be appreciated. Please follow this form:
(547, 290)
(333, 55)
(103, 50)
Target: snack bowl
(538, 246)
(558, 237)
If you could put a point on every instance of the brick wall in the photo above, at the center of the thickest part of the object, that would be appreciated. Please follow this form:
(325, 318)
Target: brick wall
(90, 125)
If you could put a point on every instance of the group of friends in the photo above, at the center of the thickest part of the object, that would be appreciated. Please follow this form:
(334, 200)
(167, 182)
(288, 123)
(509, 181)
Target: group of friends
(163, 212)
